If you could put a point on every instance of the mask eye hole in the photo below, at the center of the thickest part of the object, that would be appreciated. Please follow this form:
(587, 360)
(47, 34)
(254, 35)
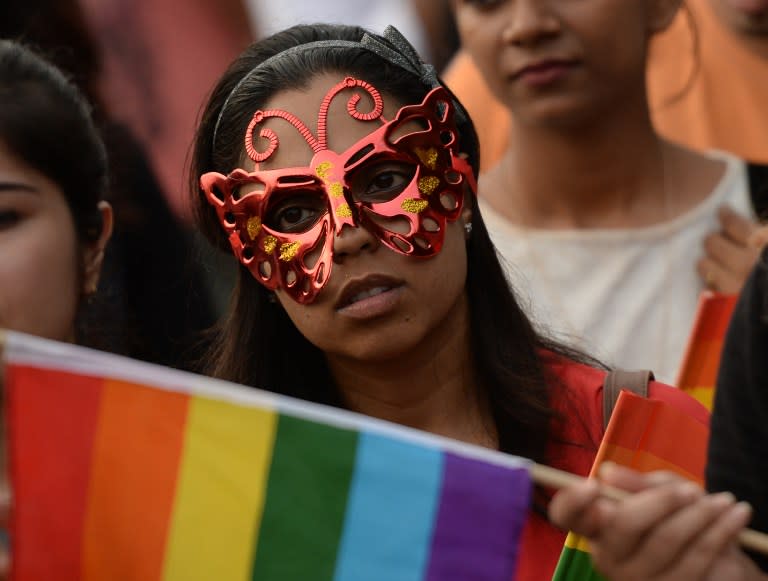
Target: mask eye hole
(295, 212)
(381, 181)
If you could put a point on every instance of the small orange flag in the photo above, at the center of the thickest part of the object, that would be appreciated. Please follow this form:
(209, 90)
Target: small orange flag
(698, 372)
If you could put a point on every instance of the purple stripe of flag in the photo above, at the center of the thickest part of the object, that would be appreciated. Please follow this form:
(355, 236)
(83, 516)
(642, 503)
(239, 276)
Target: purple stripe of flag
(483, 508)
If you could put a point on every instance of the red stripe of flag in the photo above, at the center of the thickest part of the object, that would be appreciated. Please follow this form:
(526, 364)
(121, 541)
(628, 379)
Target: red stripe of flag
(50, 458)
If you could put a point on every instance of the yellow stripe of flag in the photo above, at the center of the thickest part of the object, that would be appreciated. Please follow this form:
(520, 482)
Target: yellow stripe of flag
(222, 485)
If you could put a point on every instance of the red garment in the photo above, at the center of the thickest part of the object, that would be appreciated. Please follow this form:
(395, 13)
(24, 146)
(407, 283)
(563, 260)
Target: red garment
(572, 447)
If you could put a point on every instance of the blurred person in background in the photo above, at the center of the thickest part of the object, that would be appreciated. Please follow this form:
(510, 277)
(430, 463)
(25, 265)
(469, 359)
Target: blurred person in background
(154, 300)
(739, 437)
(159, 60)
(603, 219)
(707, 82)
(54, 220)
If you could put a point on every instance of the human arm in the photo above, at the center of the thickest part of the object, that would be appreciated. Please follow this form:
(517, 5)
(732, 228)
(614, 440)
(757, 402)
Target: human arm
(668, 529)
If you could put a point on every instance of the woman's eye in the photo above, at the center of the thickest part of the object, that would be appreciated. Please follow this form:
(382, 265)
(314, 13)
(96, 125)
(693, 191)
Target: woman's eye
(387, 183)
(484, 4)
(8, 218)
(292, 219)
(295, 215)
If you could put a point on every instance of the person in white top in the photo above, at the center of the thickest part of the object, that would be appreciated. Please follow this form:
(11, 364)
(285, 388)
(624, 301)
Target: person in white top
(609, 230)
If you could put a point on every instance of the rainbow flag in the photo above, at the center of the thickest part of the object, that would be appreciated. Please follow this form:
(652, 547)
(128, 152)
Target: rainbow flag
(645, 435)
(698, 372)
(124, 471)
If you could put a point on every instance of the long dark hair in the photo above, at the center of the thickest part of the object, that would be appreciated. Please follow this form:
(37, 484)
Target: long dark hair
(249, 348)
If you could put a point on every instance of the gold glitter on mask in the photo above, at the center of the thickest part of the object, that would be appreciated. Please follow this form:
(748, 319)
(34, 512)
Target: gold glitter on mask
(289, 250)
(428, 184)
(344, 211)
(323, 169)
(253, 226)
(336, 189)
(414, 205)
(427, 156)
(269, 244)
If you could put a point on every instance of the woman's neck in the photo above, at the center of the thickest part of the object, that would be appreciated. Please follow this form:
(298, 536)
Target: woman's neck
(611, 172)
(431, 387)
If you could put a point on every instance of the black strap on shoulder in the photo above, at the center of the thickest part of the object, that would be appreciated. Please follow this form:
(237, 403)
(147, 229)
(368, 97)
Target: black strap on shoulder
(758, 188)
(618, 379)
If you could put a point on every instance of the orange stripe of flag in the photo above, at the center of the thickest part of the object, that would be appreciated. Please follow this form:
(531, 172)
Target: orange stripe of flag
(714, 315)
(702, 364)
(643, 461)
(658, 429)
(139, 440)
(50, 456)
(705, 344)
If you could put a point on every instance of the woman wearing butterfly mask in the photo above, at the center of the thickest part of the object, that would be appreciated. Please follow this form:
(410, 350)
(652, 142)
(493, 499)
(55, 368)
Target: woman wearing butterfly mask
(340, 172)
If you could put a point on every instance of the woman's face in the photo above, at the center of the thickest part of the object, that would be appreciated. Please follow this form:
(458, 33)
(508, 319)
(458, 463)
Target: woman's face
(561, 61)
(40, 281)
(377, 302)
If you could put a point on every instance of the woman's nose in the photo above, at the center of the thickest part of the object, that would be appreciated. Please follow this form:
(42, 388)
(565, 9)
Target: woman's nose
(529, 22)
(352, 240)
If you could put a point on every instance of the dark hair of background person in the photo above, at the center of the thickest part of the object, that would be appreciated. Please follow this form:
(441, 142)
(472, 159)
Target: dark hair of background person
(250, 346)
(46, 122)
(439, 24)
(152, 301)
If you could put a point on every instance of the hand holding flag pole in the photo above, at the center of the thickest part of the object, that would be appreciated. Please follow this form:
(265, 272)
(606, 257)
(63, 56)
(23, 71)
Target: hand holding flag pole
(558, 479)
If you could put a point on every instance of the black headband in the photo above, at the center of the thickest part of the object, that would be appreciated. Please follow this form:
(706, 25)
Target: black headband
(396, 50)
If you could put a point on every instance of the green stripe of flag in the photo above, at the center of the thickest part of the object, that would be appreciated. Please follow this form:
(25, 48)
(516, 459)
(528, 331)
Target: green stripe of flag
(575, 565)
(309, 480)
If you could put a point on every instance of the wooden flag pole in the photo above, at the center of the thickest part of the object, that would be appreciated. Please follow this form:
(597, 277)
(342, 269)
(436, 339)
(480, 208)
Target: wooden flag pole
(554, 478)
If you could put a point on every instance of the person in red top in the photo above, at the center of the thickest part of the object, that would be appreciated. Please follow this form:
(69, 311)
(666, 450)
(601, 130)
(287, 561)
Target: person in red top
(572, 446)
(340, 172)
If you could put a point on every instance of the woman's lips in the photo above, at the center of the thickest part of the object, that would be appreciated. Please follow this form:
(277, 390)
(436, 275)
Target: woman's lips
(542, 73)
(374, 305)
(369, 296)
